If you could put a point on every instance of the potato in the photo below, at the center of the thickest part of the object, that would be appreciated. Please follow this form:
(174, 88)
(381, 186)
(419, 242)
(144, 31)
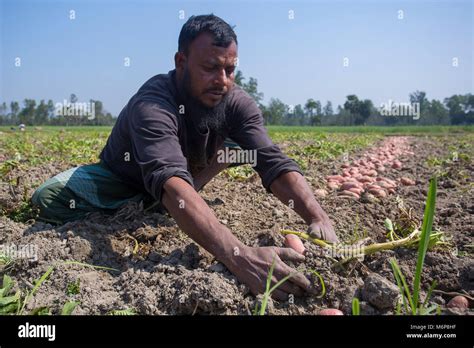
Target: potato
(385, 185)
(330, 311)
(365, 179)
(458, 302)
(349, 184)
(357, 190)
(320, 193)
(407, 181)
(337, 178)
(346, 193)
(370, 165)
(373, 187)
(380, 193)
(396, 165)
(390, 181)
(333, 185)
(372, 172)
(295, 243)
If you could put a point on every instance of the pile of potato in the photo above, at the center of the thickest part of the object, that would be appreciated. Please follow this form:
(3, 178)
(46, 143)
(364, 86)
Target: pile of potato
(366, 174)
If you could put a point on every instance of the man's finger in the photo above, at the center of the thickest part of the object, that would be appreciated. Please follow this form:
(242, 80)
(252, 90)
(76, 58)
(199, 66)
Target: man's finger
(291, 288)
(315, 232)
(299, 279)
(288, 254)
(279, 295)
(330, 236)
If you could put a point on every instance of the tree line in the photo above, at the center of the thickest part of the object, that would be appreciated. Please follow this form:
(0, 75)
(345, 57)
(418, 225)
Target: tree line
(66, 113)
(454, 110)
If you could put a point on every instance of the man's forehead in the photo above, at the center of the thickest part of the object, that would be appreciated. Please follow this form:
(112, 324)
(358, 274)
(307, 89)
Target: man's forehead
(202, 48)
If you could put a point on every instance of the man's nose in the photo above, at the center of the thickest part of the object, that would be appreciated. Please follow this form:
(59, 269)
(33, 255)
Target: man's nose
(221, 78)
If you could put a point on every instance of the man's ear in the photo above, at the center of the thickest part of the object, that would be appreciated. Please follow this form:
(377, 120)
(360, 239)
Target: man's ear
(179, 61)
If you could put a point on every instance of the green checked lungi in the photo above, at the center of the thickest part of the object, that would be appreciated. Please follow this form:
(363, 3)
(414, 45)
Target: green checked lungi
(73, 194)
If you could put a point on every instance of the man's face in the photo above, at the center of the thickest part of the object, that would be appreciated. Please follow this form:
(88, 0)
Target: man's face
(208, 71)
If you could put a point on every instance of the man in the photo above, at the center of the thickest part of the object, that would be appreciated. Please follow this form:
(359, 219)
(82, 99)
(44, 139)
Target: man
(164, 146)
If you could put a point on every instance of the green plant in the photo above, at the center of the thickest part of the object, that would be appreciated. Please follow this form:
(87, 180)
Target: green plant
(73, 288)
(126, 311)
(16, 304)
(38, 283)
(6, 261)
(349, 252)
(404, 234)
(268, 290)
(321, 281)
(69, 307)
(355, 306)
(8, 303)
(411, 302)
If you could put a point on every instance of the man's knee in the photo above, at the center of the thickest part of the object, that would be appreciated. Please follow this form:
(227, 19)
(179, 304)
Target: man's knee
(44, 195)
(52, 199)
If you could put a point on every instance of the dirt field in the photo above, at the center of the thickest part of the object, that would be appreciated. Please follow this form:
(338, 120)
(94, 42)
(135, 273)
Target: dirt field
(169, 274)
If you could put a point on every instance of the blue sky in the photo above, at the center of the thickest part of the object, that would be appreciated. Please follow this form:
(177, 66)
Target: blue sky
(293, 59)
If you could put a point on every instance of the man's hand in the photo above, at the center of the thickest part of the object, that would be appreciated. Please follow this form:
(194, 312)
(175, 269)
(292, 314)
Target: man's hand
(251, 266)
(323, 229)
(292, 187)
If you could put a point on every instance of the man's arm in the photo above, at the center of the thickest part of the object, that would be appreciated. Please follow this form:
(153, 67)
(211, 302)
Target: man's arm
(249, 265)
(279, 173)
(291, 187)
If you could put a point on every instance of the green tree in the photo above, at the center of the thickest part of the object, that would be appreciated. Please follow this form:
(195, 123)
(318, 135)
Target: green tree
(275, 111)
(14, 112)
(359, 110)
(420, 97)
(239, 78)
(41, 113)
(251, 87)
(461, 108)
(3, 113)
(313, 111)
(327, 110)
(435, 114)
(27, 114)
(50, 109)
(299, 115)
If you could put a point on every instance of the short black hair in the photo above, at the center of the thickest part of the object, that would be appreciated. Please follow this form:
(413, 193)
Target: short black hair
(223, 33)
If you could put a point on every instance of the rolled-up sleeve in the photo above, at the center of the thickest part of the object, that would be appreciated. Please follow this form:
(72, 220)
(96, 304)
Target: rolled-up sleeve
(249, 132)
(156, 147)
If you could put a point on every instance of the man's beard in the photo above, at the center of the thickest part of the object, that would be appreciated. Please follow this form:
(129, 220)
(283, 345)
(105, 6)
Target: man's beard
(204, 118)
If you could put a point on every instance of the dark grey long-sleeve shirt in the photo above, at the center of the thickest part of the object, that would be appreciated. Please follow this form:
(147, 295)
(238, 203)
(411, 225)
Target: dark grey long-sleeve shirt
(152, 141)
